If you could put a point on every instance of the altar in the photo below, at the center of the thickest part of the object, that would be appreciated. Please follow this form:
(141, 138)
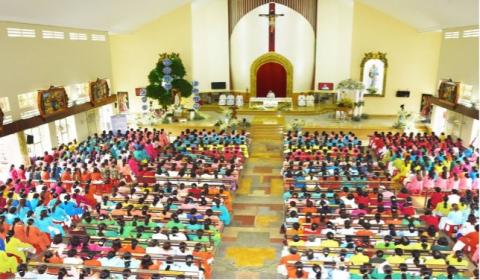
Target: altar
(270, 103)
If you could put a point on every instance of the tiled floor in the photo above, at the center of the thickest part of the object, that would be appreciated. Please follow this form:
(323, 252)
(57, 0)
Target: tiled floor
(251, 244)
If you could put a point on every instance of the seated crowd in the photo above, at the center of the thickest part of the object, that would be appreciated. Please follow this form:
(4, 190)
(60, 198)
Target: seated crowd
(351, 213)
(121, 206)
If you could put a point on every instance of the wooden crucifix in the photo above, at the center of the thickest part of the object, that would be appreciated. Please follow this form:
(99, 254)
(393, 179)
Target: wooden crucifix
(271, 23)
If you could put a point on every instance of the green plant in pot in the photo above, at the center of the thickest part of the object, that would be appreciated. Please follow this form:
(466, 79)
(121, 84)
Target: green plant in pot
(167, 80)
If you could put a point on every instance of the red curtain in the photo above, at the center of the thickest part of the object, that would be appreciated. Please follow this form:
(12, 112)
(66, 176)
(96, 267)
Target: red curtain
(271, 76)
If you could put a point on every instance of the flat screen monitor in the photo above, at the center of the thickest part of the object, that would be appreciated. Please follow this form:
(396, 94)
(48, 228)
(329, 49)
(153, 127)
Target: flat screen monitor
(219, 85)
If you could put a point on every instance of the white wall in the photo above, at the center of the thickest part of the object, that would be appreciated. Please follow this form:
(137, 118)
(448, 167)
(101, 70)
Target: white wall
(30, 64)
(294, 39)
(210, 43)
(459, 59)
(334, 40)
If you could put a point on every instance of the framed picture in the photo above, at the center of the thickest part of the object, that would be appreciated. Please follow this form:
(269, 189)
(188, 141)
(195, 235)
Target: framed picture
(99, 91)
(123, 101)
(140, 91)
(426, 107)
(448, 91)
(374, 73)
(52, 101)
(325, 86)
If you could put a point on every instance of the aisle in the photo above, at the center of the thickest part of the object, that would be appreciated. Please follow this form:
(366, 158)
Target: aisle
(251, 244)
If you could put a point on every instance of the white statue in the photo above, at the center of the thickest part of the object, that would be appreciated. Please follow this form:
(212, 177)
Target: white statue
(270, 94)
(373, 73)
(302, 100)
(230, 100)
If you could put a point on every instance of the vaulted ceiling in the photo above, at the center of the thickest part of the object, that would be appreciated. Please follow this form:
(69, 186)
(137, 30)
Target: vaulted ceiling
(429, 15)
(119, 16)
(116, 16)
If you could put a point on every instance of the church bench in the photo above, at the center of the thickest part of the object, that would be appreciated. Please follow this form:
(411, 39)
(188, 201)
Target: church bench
(341, 237)
(396, 267)
(155, 219)
(206, 246)
(118, 270)
(147, 229)
(368, 251)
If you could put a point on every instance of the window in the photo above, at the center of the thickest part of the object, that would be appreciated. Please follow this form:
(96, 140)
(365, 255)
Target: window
(29, 113)
(474, 138)
(77, 94)
(105, 115)
(470, 33)
(65, 129)
(21, 32)
(5, 104)
(98, 37)
(9, 154)
(41, 140)
(452, 35)
(27, 100)
(78, 36)
(48, 34)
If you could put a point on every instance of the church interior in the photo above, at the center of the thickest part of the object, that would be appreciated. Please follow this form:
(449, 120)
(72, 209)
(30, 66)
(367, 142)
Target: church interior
(239, 139)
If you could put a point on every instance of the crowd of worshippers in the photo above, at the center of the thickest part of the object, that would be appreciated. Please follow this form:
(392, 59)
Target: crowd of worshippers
(104, 208)
(342, 226)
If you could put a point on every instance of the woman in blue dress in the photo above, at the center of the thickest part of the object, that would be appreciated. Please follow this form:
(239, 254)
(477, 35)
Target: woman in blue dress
(224, 214)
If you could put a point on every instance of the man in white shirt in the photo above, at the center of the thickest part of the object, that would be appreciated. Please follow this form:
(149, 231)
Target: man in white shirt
(339, 273)
(72, 257)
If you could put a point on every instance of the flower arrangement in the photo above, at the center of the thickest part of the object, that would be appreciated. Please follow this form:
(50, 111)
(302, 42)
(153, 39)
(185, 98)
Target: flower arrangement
(296, 125)
(350, 84)
(345, 103)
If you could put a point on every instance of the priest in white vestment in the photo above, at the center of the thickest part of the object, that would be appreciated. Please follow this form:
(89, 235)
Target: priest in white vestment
(270, 94)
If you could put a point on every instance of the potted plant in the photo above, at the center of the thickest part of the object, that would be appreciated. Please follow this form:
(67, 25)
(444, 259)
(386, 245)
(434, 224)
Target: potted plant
(356, 88)
(297, 125)
(191, 114)
(169, 117)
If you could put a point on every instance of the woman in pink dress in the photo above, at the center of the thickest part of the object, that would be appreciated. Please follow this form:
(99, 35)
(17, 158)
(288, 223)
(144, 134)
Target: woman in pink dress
(428, 183)
(13, 173)
(442, 182)
(416, 184)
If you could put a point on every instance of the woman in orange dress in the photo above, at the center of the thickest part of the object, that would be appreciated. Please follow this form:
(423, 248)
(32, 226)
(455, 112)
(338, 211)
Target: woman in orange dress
(203, 258)
(66, 178)
(45, 176)
(39, 240)
(96, 177)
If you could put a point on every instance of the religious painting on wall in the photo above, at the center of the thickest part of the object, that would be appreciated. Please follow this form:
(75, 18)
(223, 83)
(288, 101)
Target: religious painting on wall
(99, 91)
(122, 101)
(426, 107)
(52, 101)
(448, 91)
(374, 73)
(325, 86)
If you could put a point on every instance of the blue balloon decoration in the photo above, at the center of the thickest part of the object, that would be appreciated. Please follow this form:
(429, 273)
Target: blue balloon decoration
(167, 86)
(145, 107)
(196, 99)
(194, 83)
(167, 62)
(167, 79)
(195, 91)
(167, 70)
(144, 99)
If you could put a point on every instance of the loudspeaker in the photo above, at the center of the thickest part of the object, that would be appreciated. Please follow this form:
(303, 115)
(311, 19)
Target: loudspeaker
(218, 85)
(29, 139)
(403, 93)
